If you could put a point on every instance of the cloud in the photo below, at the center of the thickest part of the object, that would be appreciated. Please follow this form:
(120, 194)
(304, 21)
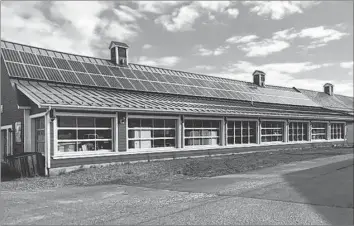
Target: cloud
(201, 51)
(204, 67)
(233, 12)
(181, 19)
(127, 14)
(163, 61)
(263, 48)
(347, 64)
(156, 7)
(241, 39)
(277, 10)
(319, 36)
(147, 46)
(216, 6)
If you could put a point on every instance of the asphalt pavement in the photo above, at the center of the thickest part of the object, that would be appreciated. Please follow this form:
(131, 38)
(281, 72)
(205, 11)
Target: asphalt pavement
(316, 192)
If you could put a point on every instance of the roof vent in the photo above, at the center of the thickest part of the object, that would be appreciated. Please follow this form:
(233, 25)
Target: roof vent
(259, 78)
(119, 53)
(328, 88)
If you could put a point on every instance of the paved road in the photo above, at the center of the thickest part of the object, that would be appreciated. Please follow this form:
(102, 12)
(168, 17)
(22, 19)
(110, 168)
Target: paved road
(312, 192)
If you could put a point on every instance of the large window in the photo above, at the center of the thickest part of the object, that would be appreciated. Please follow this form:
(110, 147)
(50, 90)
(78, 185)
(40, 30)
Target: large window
(337, 131)
(201, 132)
(77, 134)
(318, 131)
(241, 132)
(151, 133)
(298, 131)
(39, 128)
(272, 131)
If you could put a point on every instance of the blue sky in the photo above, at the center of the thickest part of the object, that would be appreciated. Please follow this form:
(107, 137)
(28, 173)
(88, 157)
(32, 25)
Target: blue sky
(296, 43)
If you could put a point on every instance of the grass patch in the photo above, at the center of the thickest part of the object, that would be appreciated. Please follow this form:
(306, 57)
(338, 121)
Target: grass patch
(172, 170)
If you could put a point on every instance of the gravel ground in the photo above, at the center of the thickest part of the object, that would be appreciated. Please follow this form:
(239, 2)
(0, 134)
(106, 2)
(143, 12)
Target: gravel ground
(171, 170)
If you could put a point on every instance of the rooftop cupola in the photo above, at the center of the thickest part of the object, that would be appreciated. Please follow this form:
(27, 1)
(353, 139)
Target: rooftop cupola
(119, 53)
(259, 78)
(328, 88)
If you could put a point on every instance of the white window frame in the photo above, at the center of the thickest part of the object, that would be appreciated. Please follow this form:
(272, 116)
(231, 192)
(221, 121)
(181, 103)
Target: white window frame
(86, 153)
(284, 135)
(9, 139)
(139, 116)
(307, 127)
(326, 133)
(220, 119)
(242, 119)
(341, 132)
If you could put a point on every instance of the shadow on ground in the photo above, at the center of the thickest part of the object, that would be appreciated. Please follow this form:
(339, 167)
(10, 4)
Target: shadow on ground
(325, 186)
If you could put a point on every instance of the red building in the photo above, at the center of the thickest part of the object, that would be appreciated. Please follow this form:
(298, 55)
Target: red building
(79, 110)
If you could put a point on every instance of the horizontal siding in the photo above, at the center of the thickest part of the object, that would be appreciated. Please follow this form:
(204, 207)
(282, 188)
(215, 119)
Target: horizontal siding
(122, 133)
(55, 163)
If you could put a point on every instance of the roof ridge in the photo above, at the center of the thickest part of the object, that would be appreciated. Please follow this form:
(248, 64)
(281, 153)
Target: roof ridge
(335, 94)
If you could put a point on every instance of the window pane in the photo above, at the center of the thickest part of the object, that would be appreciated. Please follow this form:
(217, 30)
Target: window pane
(103, 122)
(158, 123)
(87, 134)
(170, 143)
(170, 133)
(66, 134)
(85, 122)
(170, 123)
(104, 145)
(159, 133)
(104, 134)
(159, 143)
(146, 123)
(66, 121)
(67, 147)
(132, 122)
(87, 146)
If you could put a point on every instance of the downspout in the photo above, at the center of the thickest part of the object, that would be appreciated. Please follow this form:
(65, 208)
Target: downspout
(47, 137)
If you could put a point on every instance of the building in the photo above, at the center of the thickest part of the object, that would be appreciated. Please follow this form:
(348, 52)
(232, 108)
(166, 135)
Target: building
(79, 110)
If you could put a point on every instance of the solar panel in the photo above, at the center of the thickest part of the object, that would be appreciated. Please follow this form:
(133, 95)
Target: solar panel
(53, 74)
(149, 86)
(117, 72)
(17, 70)
(150, 76)
(113, 82)
(128, 73)
(160, 78)
(125, 83)
(69, 77)
(85, 79)
(140, 75)
(46, 61)
(11, 55)
(104, 70)
(35, 72)
(62, 64)
(76, 66)
(170, 88)
(138, 85)
(99, 80)
(159, 87)
(91, 68)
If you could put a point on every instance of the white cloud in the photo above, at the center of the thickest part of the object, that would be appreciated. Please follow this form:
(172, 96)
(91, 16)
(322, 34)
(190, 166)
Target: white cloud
(277, 10)
(216, 6)
(181, 19)
(233, 12)
(263, 48)
(127, 14)
(157, 7)
(25, 22)
(147, 46)
(347, 64)
(319, 36)
(168, 61)
(241, 39)
(201, 51)
(205, 67)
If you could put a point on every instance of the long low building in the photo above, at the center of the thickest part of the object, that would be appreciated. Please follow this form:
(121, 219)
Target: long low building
(79, 110)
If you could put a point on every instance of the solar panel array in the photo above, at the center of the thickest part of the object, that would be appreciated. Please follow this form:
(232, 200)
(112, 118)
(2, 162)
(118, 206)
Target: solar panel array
(45, 65)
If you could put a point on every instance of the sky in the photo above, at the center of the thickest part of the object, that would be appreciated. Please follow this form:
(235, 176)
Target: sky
(302, 44)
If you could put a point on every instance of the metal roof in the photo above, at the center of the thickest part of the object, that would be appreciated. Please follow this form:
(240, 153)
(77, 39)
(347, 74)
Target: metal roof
(88, 98)
(334, 102)
(37, 64)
